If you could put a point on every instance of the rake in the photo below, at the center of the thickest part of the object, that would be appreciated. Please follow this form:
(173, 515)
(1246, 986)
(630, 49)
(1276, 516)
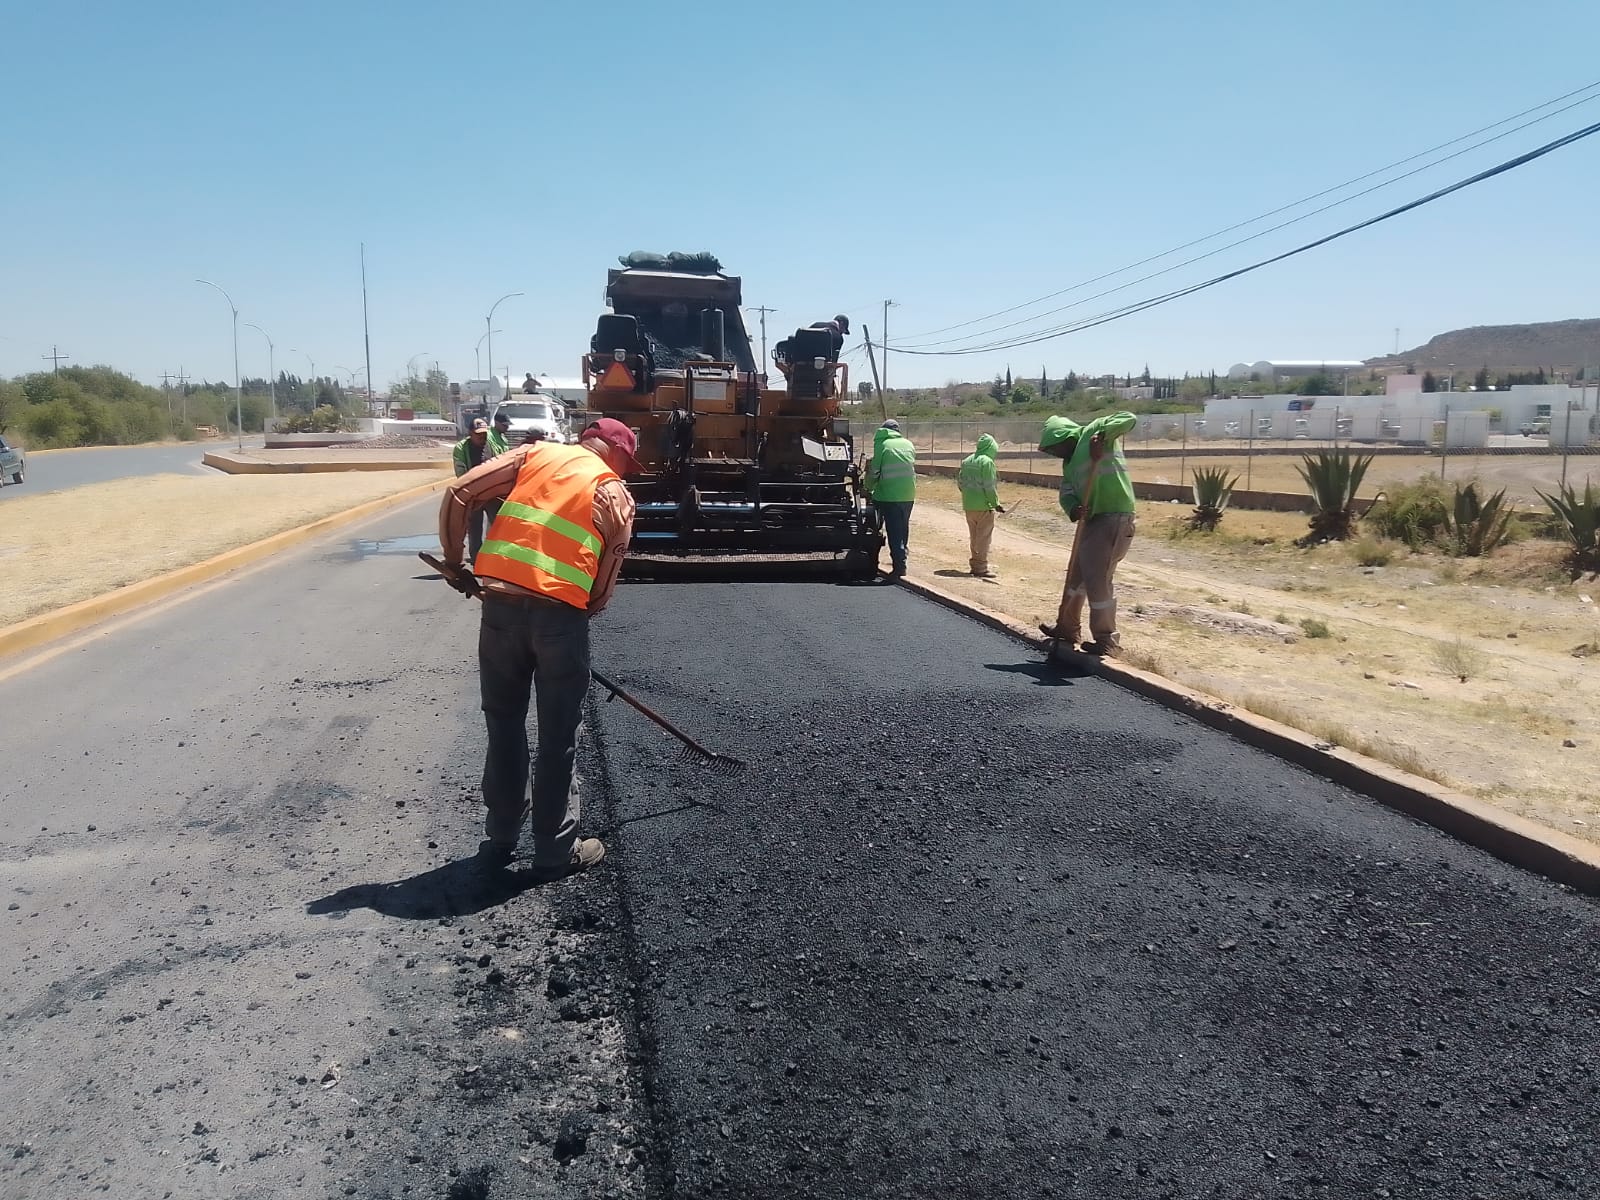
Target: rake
(692, 750)
(467, 584)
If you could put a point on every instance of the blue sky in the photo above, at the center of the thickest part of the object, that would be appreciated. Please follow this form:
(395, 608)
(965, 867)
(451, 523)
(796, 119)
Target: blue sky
(958, 158)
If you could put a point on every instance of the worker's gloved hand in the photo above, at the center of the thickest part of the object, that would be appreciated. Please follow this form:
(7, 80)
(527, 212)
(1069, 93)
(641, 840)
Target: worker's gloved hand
(1097, 447)
(1077, 512)
(1000, 508)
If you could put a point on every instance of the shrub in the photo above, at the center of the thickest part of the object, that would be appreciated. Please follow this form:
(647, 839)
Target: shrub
(1315, 628)
(1373, 552)
(1580, 523)
(1213, 488)
(1460, 659)
(324, 419)
(1477, 526)
(1333, 477)
(1414, 513)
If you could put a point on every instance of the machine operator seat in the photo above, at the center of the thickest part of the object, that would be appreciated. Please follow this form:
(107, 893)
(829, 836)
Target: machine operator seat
(619, 331)
(797, 357)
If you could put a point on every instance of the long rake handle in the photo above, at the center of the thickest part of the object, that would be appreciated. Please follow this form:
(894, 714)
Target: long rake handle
(654, 716)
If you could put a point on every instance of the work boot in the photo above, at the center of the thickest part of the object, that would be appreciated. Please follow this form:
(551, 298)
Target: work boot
(897, 571)
(505, 831)
(586, 853)
(983, 572)
(1053, 631)
(1107, 647)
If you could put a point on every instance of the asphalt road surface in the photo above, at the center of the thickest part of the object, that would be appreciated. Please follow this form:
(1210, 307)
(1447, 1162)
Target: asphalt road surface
(966, 927)
(63, 469)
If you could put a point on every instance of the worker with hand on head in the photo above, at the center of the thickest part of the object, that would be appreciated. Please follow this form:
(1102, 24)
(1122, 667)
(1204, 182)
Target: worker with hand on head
(530, 385)
(978, 479)
(1107, 508)
(549, 564)
(891, 484)
(471, 451)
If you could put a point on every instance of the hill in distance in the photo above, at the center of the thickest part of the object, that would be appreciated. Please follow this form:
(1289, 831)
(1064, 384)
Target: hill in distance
(1563, 345)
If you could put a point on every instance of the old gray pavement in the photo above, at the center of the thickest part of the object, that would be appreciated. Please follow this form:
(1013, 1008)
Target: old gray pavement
(60, 470)
(967, 927)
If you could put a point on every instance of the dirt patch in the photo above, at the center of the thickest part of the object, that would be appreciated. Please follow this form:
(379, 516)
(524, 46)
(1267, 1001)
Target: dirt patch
(1476, 673)
(62, 547)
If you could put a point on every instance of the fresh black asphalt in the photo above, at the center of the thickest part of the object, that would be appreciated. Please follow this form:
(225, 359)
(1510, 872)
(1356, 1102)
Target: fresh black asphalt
(970, 927)
(966, 927)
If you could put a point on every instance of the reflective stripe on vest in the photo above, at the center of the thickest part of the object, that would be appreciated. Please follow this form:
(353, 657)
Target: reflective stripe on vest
(543, 538)
(897, 469)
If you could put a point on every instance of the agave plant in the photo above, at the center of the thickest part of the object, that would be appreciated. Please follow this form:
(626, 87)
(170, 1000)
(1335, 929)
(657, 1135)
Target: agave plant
(1580, 520)
(1333, 477)
(1213, 488)
(1477, 525)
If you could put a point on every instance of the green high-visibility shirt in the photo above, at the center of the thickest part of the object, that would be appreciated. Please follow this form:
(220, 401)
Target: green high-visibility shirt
(892, 470)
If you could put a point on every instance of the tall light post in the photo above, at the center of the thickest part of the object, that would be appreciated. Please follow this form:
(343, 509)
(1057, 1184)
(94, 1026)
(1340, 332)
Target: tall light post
(311, 406)
(272, 367)
(477, 358)
(488, 324)
(238, 395)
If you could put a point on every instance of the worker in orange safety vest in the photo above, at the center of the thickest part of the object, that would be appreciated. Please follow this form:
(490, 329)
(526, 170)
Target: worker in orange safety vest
(549, 563)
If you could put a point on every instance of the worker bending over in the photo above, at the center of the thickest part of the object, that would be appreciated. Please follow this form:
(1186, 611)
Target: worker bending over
(978, 478)
(1107, 509)
(549, 564)
(891, 484)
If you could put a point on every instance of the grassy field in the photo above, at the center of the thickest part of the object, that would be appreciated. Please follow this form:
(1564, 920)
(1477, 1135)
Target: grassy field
(1473, 672)
(62, 547)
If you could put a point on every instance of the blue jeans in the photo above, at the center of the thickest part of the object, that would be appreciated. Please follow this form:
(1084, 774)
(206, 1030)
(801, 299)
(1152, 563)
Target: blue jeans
(897, 528)
(538, 648)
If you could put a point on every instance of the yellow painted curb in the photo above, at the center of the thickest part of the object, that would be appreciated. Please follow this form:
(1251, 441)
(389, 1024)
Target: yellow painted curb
(37, 631)
(1510, 838)
(238, 466)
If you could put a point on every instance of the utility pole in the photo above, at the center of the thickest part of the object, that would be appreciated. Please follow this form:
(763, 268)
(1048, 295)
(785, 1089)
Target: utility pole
(1397, 339)
(57, 358)
(887, 305)
(166, 390)
(763, 310)
(366, 335)
(183, 390)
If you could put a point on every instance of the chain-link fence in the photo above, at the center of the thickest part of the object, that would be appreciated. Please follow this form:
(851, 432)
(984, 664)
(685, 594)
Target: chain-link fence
(1263, 448)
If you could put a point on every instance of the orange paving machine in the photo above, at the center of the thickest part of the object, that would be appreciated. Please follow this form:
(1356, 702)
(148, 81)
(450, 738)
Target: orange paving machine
(733, 467)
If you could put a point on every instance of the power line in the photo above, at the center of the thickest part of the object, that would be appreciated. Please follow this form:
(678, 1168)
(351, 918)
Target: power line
(1153, 301)
(1274, 212)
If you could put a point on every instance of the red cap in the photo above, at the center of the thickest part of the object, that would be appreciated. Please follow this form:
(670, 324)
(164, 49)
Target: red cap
(616, 435)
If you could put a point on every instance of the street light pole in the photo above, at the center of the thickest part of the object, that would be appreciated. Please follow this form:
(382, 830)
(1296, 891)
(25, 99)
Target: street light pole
(238, 395)
(272, 368)
(310, 407)
(488, 323)
(477, 356)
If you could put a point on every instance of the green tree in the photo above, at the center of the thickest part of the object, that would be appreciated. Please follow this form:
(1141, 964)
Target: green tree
(1318, 385)
(864, 391)
(999, 389)
(1481, 379)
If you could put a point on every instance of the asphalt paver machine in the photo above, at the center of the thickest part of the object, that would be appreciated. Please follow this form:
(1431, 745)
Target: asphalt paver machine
(732, 468)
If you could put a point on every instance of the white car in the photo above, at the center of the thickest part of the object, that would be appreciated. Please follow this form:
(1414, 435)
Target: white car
(537, 411)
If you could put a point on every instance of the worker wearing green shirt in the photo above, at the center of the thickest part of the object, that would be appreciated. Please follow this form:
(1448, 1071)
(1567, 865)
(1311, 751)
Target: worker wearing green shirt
(500, 435)
(1107, 511)
(978, 479)
(891, 482)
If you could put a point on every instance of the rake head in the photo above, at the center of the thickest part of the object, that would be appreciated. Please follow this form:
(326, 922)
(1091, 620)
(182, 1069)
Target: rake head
(712, 761)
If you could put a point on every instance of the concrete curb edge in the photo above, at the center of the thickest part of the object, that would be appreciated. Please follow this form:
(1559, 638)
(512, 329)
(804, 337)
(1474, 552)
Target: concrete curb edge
(48, 627)
(1508, 837)
(226, 463)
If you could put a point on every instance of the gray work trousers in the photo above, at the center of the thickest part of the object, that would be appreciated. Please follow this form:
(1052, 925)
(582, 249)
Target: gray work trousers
(537, 648)
(1103, 544)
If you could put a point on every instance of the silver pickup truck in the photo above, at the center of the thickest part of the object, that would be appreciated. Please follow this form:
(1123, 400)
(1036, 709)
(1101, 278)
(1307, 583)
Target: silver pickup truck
(13, 466)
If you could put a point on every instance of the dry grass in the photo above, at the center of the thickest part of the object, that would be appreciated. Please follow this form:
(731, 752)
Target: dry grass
(1375, 685)
(62, 547)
